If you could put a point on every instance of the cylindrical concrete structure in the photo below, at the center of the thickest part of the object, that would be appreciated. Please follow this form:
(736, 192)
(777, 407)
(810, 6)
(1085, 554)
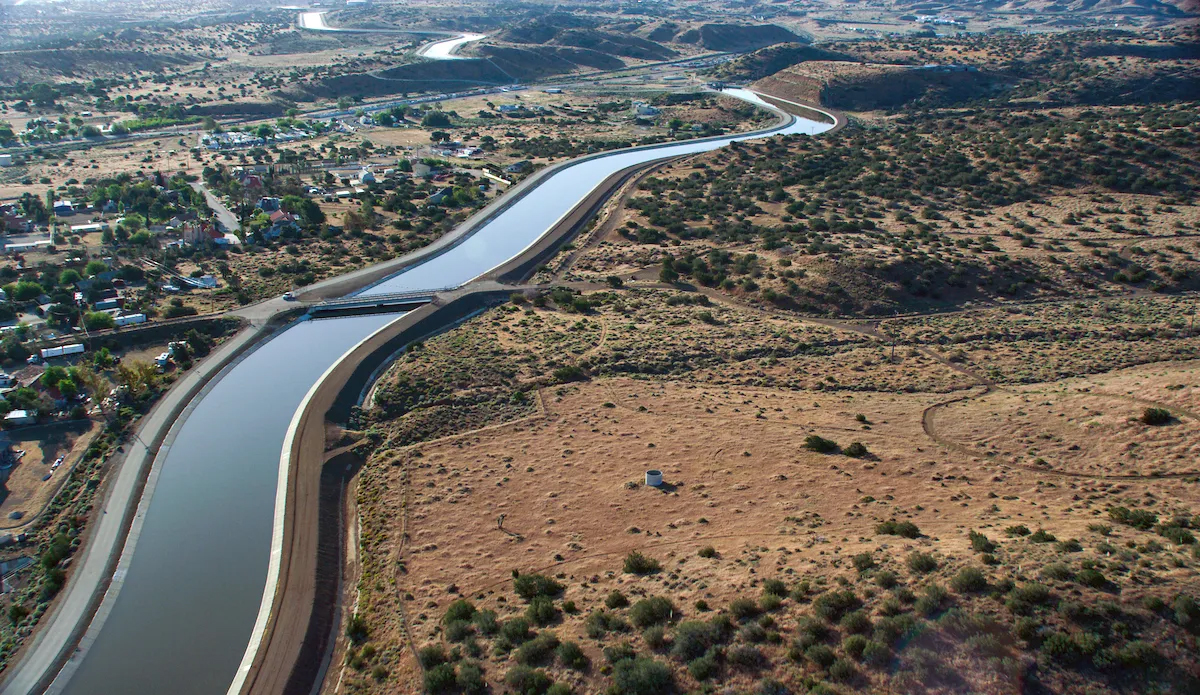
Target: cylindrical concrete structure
(653, 478)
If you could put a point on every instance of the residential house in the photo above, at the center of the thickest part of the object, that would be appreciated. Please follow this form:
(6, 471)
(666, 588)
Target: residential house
(64, 208)
(440, 197)
(20, 418)
(280, 222)
(519, 167)
(268, 205)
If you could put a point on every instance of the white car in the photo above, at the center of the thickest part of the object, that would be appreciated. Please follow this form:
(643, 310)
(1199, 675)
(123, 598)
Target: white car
(289, 297)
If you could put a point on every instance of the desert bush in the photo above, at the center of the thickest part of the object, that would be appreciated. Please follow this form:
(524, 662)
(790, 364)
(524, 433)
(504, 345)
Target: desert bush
(981, 543)
(571, 656)
(854, 645)
(637, 563)
(703, 667)
(863, 561)
(707, 552)
(1027, 628)
(821, 655)
(1018, 530)
(1156, 416)
(1187, 612)
(833, 605)
(619, 652)
(775, 587)
(524, 680)
(516, 631)
(743, 608)
(969, 580)
(655, 637)
(600, 623)
(541, 611)
(459, 610)
(616, 599)
(886, 579)
(1058, 571)
(931, 600)
(485, 621)
(529, 586)
(876, 654)
(820, 444)
(746, 656)
(856, 622)
(692, 639)
(652, 611)
(1069, 546)
(842, 671)
(640, 676)
(1042, 536)
(470, 679)
(856, 450)
(1060, 648)
(538, 650)
(1137, 518)
(458, 630)
(440, 678)
(922, 563)
(431, 655)
(1091, 577)
(905, 529)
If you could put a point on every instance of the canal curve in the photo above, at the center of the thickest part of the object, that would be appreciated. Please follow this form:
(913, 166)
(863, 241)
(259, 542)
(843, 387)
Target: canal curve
(194, 571)
(444, 49)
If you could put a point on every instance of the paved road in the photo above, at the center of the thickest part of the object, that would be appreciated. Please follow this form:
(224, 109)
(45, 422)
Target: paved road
(227, 221)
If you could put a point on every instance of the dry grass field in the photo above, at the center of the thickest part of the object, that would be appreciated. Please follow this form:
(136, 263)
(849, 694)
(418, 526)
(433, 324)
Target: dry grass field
(508, 456)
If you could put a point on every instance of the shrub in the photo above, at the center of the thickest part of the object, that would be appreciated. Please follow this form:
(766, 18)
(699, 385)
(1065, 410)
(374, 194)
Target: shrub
(616, 599)
(922, 563)
(905, 529)
(1069, 546)
(431, 655)
(752, 633)
(854, 645)
(461, 609)
(821, 655)
(601, 622)
(1019, 530)
(842, 670)
(743, 608)
(541, 611)
(655, 637)
(1042, 536)
(1060, 648)
(707, 552)
(530, 586)
(969, 580)
(458, 630)
(856, 450)
(746, 656)
(636, 563)
(931, 601)
(1137, 654)
(692, 640)
(820, 444)
(769, 602)
(1027, 628)
(886, 579)
(571, 656)
(856, 622)
(516, 631)
(440, 679)
(863, 561)
(703, 667)
(537, 650)
(833, 605)
(1187, 612)
(559, 689)
(775, 587)
(619, 652)
(470, 679)
(524, 680)
(1156, 416)
(1091, 577)
(652, 611)
(1058, 571)
(641, 676)
(981, 543)
(1137, 518)
(486, 622)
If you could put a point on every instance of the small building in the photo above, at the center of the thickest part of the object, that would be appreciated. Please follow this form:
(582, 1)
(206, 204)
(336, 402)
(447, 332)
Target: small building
(19, 418)
(6, 160)
(365, 176)
(87, 228)
(64, 208)
(268, 205)
(519, 167)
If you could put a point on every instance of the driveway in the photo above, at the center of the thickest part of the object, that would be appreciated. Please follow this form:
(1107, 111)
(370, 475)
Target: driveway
(227, 221)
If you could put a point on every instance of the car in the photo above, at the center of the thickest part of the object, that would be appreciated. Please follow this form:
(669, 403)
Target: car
(289, 297)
